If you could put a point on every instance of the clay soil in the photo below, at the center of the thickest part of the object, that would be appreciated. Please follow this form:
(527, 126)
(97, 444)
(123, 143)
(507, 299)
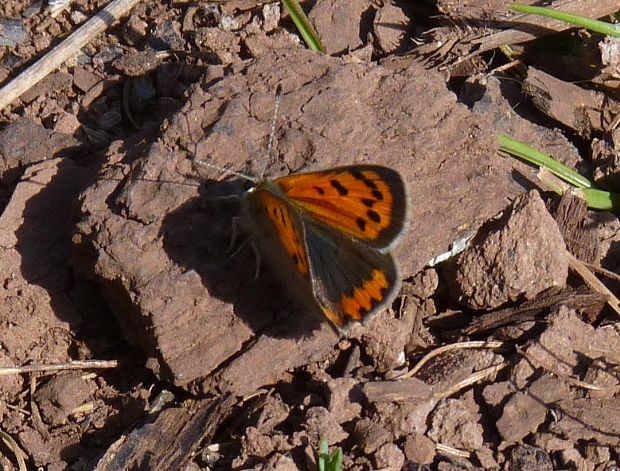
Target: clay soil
(131, 338)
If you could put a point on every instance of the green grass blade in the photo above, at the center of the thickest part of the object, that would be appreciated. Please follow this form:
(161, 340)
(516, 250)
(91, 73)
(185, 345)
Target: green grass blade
(323, 460)
(543, 160)
(600, 199)
(303, 25)
(602, 27)
(595, 199)
(335, 460)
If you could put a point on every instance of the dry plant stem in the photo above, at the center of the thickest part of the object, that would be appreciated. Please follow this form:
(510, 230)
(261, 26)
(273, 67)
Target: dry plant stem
(606, 273)
(472, 379)
(447, 348)
(14, 447)
(65, 50)
(73, 365)
(593, 282)
(448, 450)
(539, 26)
(614, 124)
(568, 379)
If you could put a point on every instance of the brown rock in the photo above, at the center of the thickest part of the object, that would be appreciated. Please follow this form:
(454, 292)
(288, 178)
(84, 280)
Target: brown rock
(512, 261)
(34, 242)
(384, 339)
(225, 44)
(419, 449)
(389, 456)
(391, 28)
(588, 420)
(494, 394)
(274, 412)
(256, 444)
(521, 416)
(345, 399)
(453, 424)
(338, 24)
(58, 82)
(38, 450)
(572, 459)
(67, 123)
(158, 243)
(486, 458)
(280, 462)
(84, 79)
(23, 142)
(424, 284)
(528, 458)
(369, 436)
(321, 424)
(404, 419)
(60, 395)
(569, 345)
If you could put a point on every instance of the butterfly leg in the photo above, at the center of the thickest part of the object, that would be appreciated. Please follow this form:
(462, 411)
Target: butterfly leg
(234, 233)
(233, 241)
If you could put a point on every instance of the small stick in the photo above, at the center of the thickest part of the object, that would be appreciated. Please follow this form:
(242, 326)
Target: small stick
(73, 365)
(65, 50)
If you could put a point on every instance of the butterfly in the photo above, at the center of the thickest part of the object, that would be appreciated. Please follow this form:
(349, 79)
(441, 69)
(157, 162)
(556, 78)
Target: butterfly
(330, 233)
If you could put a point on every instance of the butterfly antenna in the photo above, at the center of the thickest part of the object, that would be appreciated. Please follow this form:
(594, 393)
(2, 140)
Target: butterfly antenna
(224, 170)
(272, 131)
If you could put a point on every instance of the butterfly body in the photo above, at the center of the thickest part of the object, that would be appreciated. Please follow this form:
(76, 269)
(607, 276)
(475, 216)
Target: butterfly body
(329, 233)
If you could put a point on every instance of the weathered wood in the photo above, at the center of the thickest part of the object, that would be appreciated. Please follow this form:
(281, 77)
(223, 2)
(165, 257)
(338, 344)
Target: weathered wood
(571, 215)
(170, 440)
(574, 107)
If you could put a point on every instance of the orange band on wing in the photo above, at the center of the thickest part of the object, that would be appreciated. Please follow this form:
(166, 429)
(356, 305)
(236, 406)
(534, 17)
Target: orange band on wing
(361, 303)
(366, 297)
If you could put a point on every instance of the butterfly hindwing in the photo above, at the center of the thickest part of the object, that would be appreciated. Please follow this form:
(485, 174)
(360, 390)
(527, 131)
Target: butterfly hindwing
(350, 282)
(368, 202)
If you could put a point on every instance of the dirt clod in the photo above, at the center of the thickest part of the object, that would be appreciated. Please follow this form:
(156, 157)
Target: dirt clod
(369, 436)
(59, 396)
(389, 456)
(528, 458)
(511, 260)
(419, 448)
(453, 424)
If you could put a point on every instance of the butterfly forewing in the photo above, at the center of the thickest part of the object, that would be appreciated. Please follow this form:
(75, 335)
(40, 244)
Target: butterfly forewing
(368, 202)
(286, 224)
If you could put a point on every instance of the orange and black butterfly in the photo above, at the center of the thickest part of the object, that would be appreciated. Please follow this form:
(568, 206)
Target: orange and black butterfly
(333, 231)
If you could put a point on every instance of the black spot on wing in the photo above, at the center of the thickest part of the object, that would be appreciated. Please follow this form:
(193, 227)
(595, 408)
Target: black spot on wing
(373, 216)
(361, 177)
(342, 191)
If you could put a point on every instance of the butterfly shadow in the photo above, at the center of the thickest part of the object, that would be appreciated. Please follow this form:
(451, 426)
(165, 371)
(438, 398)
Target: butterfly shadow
(197, 236)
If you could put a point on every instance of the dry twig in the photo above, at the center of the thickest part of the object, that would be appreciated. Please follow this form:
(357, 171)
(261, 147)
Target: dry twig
(65, 50)
(72, 365)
